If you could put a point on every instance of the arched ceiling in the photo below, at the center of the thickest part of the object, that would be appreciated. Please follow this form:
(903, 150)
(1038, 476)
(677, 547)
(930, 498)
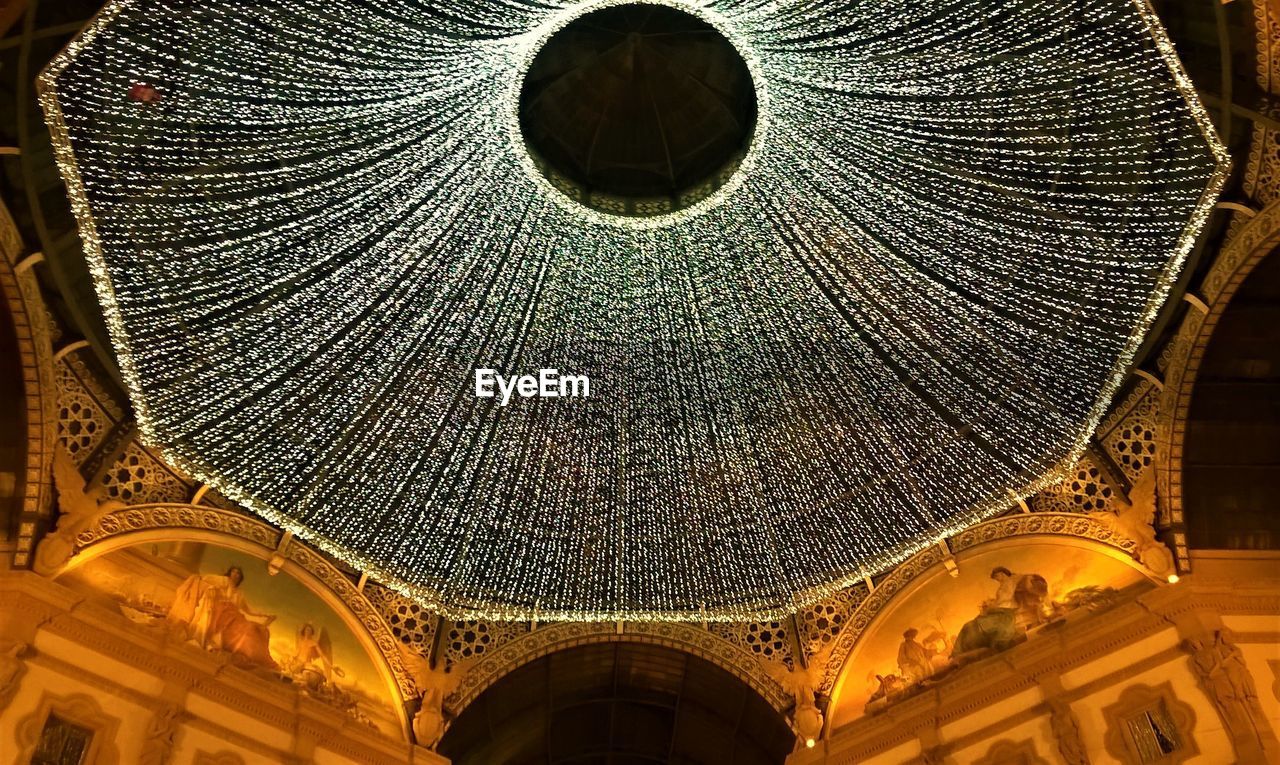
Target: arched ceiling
(1231, 462)
(1205, 35)
(31, 186)
(618, 704)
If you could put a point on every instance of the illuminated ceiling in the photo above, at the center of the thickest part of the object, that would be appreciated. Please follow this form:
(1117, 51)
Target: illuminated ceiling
(310, 222)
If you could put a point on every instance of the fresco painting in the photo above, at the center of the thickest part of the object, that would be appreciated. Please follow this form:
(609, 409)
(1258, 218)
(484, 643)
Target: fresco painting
(998, 599)
(227, 602)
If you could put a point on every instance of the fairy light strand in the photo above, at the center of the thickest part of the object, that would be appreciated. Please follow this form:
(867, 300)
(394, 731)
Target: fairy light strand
(916, 295)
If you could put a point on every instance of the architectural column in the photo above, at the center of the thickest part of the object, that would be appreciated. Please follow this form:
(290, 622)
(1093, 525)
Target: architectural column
(1063, 721)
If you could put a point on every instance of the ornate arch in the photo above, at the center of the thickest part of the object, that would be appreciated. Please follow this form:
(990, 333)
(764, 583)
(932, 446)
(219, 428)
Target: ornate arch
(1181, 359)
(21, 295)
(138, 524)
(1075, 528)
(683, 637)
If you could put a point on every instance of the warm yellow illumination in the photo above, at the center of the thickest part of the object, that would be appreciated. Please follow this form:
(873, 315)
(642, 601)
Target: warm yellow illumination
(1173, 579)
(808, 742)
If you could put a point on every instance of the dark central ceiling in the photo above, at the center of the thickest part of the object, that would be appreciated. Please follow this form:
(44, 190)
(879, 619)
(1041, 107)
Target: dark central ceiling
(638, 100)
(618, 704)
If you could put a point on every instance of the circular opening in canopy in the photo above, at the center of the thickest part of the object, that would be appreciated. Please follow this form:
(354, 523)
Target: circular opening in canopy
(638, 109)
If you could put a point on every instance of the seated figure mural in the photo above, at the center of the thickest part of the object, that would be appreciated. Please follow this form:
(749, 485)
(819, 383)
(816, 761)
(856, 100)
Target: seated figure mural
(209, 598)
(1002, 621)
(210, 610)
(1022, 605)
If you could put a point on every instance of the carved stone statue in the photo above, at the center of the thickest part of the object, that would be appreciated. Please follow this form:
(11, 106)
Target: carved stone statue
(78, 509)
(1066, 732)
(161, 736)
(1135, 520)
(800, 683)
(1220, 667)
(434, 684)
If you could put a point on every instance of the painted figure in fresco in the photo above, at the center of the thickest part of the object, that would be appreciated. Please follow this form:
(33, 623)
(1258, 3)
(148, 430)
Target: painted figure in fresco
(312, 660)
(938, 647)
(890, 689)
(1018, 603)
(914, 660)
(210, 610)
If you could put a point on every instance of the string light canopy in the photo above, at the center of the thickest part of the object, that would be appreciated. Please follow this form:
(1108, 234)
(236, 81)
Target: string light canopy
(311, 221)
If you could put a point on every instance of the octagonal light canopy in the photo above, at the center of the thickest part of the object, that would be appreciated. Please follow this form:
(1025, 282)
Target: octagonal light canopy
(909, 295)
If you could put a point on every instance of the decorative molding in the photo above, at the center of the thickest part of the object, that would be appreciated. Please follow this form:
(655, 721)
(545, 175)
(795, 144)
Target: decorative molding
(83, 423)
(77, 709)
(1135, 700)
(466, 641)
(769, 641)
(21, 295)
(1085, 489)
(820, 623)
(411, 623)
(1129, 435)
